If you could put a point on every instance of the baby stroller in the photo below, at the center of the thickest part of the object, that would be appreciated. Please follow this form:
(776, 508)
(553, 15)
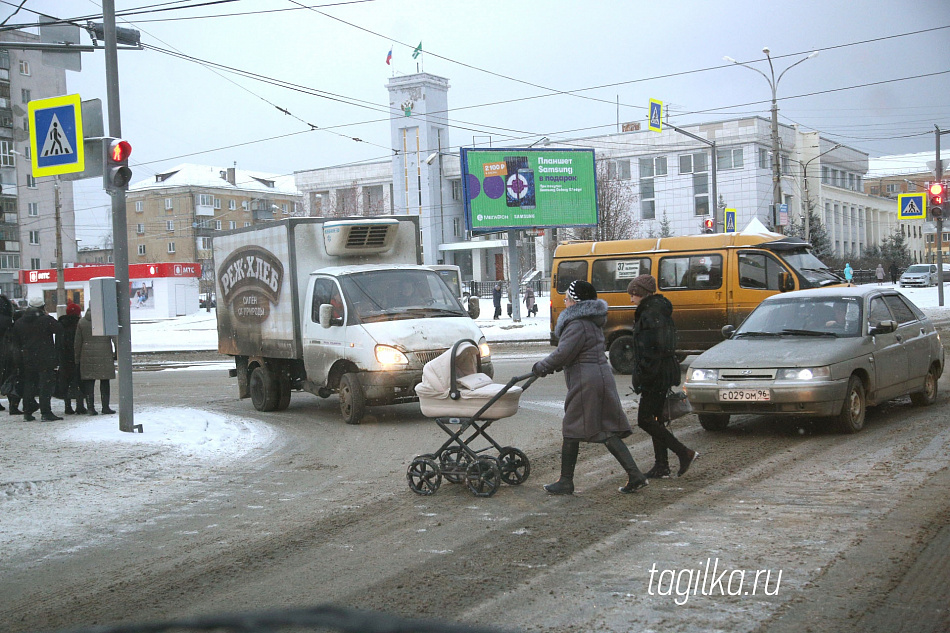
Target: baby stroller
(464, 403)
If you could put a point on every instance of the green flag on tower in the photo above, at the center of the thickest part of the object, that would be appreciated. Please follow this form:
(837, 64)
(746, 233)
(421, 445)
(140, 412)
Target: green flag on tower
(417, 51)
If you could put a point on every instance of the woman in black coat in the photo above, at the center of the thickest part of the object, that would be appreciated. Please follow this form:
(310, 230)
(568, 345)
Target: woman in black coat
(68, 378)
(655, 372)
(592, 408)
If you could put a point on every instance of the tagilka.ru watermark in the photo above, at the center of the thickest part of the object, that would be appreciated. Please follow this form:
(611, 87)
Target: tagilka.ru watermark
(708, 580)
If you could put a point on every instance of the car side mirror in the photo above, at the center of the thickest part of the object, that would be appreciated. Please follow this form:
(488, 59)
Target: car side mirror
(326, 315)
(728, 330)
(785, 282)
(883, 327)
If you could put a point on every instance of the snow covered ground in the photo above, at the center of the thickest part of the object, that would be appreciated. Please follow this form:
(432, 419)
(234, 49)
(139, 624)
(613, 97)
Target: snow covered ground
(68, 477)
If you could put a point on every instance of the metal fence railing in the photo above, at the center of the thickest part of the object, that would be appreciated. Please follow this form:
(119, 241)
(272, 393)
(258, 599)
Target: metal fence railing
(541, 287)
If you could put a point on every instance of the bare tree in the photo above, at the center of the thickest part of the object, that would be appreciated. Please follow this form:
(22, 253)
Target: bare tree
(615, 204)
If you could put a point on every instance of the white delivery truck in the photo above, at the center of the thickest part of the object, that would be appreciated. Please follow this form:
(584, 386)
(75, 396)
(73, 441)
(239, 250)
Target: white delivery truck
(333, 305)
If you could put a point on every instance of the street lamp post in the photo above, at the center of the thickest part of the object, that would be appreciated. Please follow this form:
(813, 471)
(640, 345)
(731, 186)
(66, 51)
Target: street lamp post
(773, 84)
(807, 197)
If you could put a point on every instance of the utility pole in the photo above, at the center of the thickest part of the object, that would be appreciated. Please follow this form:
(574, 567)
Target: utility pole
(938, 171)
(120, 236)
(60, 272)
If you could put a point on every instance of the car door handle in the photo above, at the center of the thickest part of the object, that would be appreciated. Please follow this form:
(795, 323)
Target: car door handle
(900, 339)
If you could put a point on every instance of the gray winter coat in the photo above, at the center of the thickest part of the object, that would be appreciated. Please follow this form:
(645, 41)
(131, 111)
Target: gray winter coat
(592, 409)
(94, 354)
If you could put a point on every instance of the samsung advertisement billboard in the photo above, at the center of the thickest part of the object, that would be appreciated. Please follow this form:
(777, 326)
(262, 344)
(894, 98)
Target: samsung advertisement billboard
(528, 188)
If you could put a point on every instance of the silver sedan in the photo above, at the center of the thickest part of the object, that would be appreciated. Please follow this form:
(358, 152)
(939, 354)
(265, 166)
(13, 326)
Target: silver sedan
(827, 352)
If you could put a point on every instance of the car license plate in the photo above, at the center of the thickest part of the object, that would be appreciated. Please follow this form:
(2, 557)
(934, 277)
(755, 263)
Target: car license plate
(744, 395)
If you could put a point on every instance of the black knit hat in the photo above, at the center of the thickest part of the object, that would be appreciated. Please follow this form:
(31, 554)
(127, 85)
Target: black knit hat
(580, 290)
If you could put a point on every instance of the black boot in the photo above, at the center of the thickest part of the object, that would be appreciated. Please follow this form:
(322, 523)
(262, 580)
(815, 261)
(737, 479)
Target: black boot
(635, 479)
(565, 485)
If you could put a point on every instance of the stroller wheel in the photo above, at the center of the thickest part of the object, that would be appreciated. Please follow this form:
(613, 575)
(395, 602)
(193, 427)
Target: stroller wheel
(483, 477)
(423, 476)
(514, 465)
(454, 463)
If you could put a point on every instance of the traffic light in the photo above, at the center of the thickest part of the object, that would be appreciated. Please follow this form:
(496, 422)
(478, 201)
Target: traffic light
(938, 195)
(709, 225)
(115, 164)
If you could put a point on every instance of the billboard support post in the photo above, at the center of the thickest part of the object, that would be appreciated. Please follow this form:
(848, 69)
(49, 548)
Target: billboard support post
(514, 276)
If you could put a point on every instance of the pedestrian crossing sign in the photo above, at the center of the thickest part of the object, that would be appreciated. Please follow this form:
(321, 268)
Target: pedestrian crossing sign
(912, 206)
(56, 139)
(730, 226)
(656, 115)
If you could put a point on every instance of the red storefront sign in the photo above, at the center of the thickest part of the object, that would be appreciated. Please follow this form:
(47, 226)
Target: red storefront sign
(136, 271)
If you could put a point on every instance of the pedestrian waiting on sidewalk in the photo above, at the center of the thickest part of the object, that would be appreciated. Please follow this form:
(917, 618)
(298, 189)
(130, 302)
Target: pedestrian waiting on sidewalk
(95, 357)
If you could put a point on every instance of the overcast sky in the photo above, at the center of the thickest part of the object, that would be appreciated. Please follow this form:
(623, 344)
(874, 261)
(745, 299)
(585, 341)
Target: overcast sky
(880, 83)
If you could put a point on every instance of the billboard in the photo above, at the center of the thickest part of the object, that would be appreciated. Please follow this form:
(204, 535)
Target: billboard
(517, 188)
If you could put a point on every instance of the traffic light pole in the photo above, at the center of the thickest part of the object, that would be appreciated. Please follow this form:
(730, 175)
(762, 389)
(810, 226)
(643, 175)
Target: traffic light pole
(713, 165)
(120, 236)
(938, 170)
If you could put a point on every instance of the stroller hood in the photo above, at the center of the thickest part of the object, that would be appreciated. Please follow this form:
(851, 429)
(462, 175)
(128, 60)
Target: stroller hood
(437, 373)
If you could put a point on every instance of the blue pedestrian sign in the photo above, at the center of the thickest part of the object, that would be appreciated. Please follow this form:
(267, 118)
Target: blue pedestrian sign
(730, 224)
(56, 138)
(912, 206)
(656, 115)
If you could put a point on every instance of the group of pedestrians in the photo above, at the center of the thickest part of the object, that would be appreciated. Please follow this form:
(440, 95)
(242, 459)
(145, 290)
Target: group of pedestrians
(42, 357)
(530, 302)
(592, 408)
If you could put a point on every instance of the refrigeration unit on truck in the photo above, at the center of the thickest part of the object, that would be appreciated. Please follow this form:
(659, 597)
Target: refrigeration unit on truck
(333, 305)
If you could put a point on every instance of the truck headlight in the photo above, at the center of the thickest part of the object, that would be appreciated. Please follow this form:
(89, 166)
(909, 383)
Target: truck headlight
(483, 350)
(703, 375)
(805, 373)
(386, 355)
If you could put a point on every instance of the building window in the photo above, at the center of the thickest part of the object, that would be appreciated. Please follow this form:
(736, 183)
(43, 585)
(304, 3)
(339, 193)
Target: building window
(693, 163)
(204, 243)
(247, 224)
(33, 209)
(35, 263)
(647, 192)
(142, 249)
(139, 206)
(232, 225)
(25, 95)
(170, 226)
(456, 189)
(457, 227)
(30, 181)
(232, 205)
(168, 204)
(34, 238)
(140, 229)
(217, 225)
(659, 165)
(24, 67)
(171, 247)
(620, 170)
(7, 157)
(729, 158)
(9, 261)
(204, 200)
(891, 188)
(283, 208)
(701, 194)
(217, 203)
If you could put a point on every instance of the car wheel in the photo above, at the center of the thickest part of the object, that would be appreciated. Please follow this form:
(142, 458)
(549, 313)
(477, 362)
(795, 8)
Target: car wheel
(714, 421)
(352, 399)
(283, 401)
(622, 355)
(264, 388)
(929, 395)
(851, 418)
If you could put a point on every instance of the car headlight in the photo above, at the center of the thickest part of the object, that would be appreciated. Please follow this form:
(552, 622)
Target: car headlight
(805, 373)
(483, 350)
(386, 355)
(703, 375)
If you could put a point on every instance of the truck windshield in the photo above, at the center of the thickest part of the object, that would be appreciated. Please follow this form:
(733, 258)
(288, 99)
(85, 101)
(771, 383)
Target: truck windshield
(388, 295)
(810, 268)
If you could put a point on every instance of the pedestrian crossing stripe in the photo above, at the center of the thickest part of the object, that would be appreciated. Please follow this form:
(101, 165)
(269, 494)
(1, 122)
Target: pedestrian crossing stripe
(912, 206)
(56, 136)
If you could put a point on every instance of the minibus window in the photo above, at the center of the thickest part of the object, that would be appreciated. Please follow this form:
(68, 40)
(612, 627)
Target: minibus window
(568, 272)
(696, 272)
(759, 271)
(613, 275)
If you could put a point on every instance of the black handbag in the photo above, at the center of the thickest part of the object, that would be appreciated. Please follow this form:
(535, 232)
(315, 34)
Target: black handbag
(675, 406)
(8, 388)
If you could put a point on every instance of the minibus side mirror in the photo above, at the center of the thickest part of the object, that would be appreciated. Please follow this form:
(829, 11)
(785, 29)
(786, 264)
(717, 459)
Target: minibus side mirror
(786, 282)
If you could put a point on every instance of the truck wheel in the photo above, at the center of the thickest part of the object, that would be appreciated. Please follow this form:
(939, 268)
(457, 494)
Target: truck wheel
(264, 388)
(283, 401)
(851, 418)
(352, 399)
(622, 356)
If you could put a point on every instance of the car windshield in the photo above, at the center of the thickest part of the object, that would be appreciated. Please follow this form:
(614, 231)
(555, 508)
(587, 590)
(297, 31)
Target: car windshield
(918, 268)
(388, 295)
(838, 317)
(810, 268)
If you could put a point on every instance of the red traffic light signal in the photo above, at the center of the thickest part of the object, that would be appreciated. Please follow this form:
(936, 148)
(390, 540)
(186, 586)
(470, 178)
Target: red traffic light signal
(709, 225)
(115, 164)
(938, 193)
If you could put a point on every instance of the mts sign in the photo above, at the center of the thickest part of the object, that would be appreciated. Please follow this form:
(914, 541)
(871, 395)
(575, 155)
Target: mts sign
(40, 275)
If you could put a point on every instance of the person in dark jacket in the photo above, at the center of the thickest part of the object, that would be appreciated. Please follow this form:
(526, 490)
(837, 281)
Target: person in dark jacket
(895, 272)
(7, 363)
(95, 357)
(496, 300)
(68, 379)
(592, 408)
(40, 339)
(656, 370)
(11, 363)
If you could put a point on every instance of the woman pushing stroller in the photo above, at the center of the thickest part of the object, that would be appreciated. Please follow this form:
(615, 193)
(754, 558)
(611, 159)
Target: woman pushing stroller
(592, 408)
